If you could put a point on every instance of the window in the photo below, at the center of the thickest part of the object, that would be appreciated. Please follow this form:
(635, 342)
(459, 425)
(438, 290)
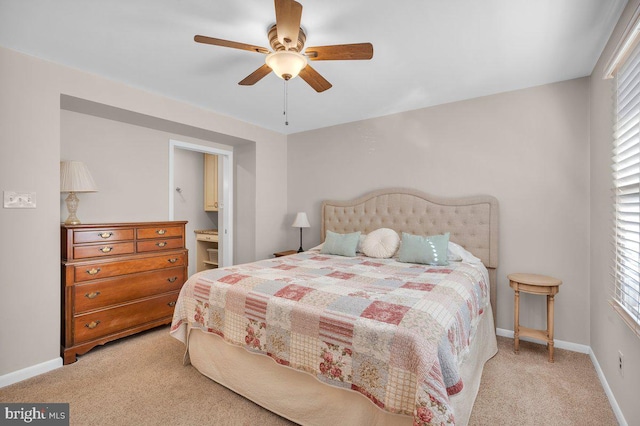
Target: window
(626, 186)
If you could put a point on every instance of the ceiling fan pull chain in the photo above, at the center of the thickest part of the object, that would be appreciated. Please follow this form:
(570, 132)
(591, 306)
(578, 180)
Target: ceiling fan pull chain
(286, 104)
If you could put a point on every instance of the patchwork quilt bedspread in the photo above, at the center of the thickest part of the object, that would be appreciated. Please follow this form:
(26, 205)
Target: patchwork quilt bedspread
(395, 332)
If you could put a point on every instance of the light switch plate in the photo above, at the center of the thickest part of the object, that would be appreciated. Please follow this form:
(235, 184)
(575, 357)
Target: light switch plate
(19, 200)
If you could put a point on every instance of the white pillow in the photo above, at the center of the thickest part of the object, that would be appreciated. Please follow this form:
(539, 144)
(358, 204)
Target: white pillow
(381, 243)
(360, 242)
(456, 253)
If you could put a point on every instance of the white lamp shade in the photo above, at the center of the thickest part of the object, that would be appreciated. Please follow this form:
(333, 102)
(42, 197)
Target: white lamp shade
(75, 177)
(286, 64)
(301, 221)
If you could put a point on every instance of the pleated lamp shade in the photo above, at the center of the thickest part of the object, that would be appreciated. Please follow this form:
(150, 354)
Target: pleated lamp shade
(75, 177)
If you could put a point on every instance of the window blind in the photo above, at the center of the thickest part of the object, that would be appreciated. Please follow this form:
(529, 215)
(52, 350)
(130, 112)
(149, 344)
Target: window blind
(626, 185)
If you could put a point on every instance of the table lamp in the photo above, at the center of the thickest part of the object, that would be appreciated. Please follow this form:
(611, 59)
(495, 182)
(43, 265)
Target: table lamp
(301, 222)
(75, 177)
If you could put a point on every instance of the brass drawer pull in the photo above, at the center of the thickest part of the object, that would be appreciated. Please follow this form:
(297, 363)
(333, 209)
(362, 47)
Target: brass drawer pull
(105, 249)
(173, 260)
(105, 235)
(162, 244)
(92, 295)
(172, 304)
(92, 324)
(172, 279)
(161, 231)
(93, 271)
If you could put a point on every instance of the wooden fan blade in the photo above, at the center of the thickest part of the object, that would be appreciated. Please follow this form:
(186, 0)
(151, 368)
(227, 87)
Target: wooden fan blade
(256, 76)
(232, 44)
(314, 79)
(340, 52)
(288, 15)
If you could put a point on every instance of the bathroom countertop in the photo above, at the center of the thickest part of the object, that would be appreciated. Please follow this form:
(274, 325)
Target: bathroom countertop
(206, 231)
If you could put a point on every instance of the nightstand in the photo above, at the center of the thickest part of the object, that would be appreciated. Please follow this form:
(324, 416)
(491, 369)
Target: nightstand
(534, 284)
(285, 253)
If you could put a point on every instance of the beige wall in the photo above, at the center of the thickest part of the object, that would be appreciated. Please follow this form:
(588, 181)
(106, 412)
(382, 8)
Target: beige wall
(30, 151)
(608, 333)
(529, 148)
(543, 152)
(245, 206)
(130, 165)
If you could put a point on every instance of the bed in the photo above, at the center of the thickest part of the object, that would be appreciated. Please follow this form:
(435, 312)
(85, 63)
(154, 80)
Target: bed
(320, 338)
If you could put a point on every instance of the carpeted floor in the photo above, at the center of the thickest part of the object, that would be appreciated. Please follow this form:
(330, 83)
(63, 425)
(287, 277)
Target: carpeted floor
(141, 380)
(526, 389)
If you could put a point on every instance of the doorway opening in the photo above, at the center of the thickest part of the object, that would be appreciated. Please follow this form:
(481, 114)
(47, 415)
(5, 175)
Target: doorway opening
(225, 203)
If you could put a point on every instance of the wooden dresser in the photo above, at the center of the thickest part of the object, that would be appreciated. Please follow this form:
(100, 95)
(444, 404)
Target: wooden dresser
(118, 279)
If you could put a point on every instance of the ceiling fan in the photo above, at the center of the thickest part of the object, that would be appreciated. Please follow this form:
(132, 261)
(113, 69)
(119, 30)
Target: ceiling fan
(287, 60)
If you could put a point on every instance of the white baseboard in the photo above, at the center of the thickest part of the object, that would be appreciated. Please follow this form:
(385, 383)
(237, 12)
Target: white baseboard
(584, 349)
(607, 390)
(27, 373)
(560, 344)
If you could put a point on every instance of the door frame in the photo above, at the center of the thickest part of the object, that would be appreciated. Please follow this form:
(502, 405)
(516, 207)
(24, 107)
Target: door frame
(226, 206)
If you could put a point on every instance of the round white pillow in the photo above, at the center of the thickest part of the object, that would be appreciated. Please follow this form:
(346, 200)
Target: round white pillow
(381, 243)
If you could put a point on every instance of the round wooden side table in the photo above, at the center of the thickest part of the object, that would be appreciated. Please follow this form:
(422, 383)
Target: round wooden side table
(534, 284)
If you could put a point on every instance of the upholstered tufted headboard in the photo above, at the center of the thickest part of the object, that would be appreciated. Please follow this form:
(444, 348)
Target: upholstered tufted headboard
(471, 221)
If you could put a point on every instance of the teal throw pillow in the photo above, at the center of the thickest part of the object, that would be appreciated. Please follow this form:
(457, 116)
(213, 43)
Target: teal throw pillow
(431, 250)
(341, 244)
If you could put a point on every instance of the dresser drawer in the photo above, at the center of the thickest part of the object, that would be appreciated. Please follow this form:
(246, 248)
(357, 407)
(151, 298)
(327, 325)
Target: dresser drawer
(112, 291)
(160, 244)
(207, 237)
(159, 232)
(96, 270)
(107, 321)
(97, 235)
(99, 250)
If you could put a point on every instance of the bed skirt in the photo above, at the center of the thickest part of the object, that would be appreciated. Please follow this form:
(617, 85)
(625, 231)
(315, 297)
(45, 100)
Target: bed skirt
(301, 398)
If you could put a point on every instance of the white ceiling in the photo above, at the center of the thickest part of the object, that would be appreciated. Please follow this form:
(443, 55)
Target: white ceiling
(426, 52)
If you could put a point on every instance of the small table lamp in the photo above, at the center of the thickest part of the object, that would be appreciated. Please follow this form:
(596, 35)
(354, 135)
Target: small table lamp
(301, 222)
(75, 177)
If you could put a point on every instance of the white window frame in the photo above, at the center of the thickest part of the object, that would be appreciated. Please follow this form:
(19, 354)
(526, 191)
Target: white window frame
(625, 68)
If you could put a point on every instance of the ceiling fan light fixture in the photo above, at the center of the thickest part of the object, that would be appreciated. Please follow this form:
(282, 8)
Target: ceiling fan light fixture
(286, 64)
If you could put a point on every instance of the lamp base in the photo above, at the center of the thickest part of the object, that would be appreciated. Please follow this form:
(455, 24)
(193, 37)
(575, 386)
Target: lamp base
(300, 249)
(72, 221)
(72, 205)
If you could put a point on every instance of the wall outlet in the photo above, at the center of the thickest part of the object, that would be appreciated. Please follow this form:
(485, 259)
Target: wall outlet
(621, 363)
(19, 200)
